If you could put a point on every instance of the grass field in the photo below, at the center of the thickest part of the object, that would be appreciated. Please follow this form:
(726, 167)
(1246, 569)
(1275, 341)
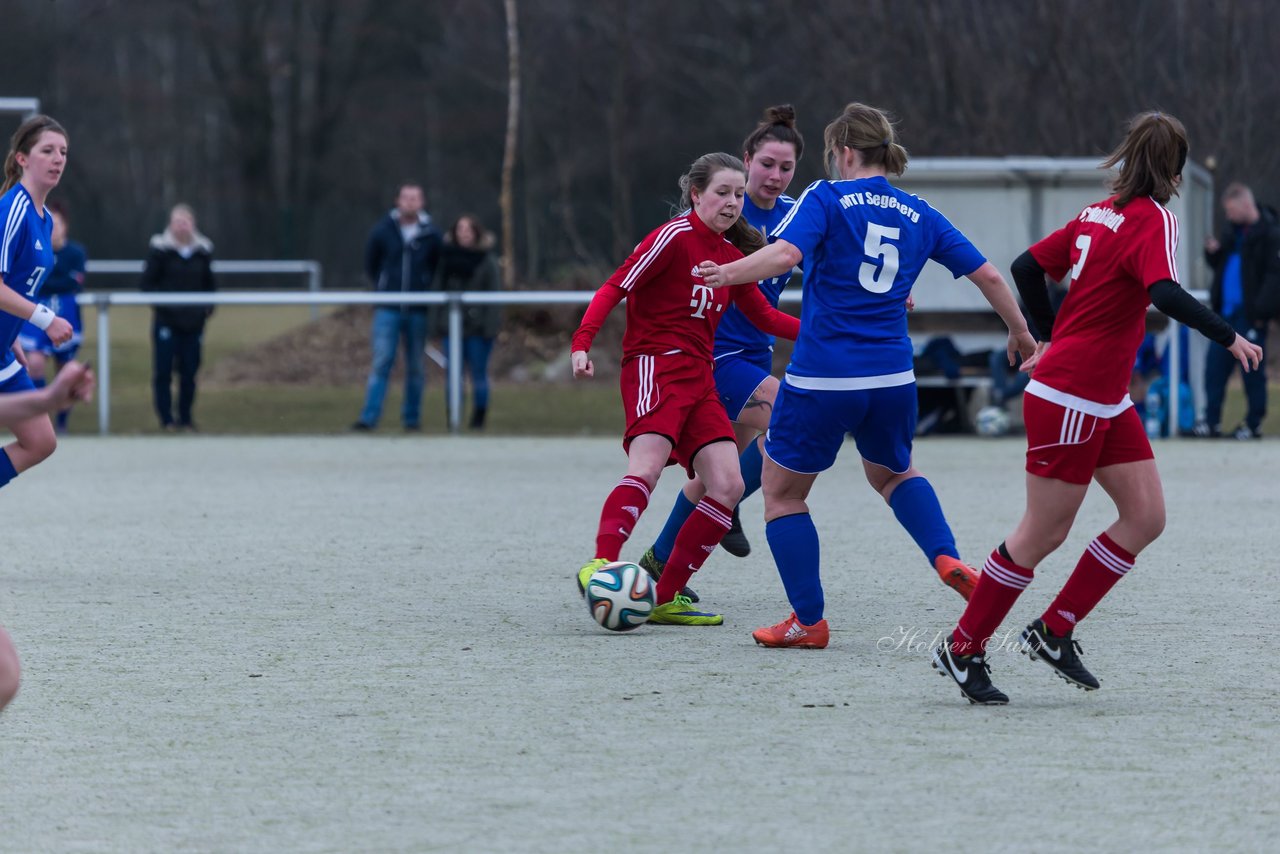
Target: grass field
(332, 644)
(530, 408)
(533, 408)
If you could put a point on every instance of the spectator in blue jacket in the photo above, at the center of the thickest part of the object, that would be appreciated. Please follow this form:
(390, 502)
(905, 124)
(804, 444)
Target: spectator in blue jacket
(400, 256)
(1246, 291)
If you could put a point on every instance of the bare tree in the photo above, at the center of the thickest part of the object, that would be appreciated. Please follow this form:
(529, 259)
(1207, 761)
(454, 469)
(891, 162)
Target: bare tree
(509, 150)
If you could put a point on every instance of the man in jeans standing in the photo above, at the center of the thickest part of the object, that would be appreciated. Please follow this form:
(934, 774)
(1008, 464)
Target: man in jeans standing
(1246, 291)
(399, 257)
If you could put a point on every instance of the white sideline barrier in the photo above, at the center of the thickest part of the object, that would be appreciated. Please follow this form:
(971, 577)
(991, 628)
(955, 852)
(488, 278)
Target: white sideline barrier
(103, 302)
(455, 300)
(313, 270)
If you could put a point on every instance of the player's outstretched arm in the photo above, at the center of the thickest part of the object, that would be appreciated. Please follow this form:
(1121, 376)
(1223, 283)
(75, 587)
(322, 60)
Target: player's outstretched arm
(1169, 297)
(73, 384)
(773, 260)
(998, 294)
(605, 300)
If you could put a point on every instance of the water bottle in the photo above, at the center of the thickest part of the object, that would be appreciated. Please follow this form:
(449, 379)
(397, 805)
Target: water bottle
(1153, 406)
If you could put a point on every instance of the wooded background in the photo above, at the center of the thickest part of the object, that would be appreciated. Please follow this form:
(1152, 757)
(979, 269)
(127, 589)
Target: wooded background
(289, 124)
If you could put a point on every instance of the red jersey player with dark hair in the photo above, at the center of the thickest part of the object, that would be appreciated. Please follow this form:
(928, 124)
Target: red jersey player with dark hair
(673, 411)
(1081, 425)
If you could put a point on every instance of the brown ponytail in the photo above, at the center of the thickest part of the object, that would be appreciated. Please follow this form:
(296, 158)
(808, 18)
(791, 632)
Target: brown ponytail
(741, 234)
(779, 125)
(23, 140)
(1150, 159)
(869, 131)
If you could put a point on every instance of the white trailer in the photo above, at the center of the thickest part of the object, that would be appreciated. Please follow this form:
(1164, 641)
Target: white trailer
(1005, 204)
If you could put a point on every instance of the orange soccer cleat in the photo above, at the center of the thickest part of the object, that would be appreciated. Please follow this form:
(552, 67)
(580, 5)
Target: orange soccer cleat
(793, 634)
(957, 575)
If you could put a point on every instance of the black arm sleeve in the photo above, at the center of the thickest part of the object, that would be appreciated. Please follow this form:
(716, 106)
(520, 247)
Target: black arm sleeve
(1028, 275)
(1169, 297)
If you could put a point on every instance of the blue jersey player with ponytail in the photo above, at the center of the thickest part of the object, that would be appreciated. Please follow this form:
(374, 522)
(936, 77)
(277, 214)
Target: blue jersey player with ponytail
(743, 353)
(34, 165)
(863, 244)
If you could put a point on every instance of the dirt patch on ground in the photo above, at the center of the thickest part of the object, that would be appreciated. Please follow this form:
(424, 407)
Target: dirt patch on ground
(335, 350)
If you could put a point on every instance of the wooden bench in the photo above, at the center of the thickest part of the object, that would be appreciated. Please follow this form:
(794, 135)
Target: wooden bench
(964, 387)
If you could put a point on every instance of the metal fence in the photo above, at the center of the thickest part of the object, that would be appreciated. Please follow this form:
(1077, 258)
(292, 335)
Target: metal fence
(312, 270)
(104, 301)
(454, 301)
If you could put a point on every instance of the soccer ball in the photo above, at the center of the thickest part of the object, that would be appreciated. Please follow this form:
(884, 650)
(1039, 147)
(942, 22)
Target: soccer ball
(992, 421)
(620, 596)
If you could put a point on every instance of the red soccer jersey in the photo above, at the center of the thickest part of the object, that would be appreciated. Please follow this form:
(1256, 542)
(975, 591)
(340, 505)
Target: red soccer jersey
(669, 309)
(1113, 255)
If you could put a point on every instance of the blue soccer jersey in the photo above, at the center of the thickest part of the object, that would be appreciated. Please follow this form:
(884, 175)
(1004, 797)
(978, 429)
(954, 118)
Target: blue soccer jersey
(864, 244)
(26, 257)
(64, 281)
(736, 334)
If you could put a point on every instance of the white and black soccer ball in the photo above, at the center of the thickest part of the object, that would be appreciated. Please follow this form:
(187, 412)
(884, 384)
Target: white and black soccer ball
(992, 421)
(620, 596)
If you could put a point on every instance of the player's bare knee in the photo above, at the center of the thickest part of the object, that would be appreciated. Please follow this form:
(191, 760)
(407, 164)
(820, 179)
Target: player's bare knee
(1148, 523)
(1055, 538)
(10, 676)
(41, 447)
(727, 490)
(884, 481)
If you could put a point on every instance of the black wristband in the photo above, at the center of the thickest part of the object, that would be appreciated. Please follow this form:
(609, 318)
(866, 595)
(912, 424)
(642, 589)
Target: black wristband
(1028, 275)
(1169, 297)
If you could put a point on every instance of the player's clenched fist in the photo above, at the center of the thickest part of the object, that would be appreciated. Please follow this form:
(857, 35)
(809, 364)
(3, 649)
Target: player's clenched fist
(582, 366)
(59, 331)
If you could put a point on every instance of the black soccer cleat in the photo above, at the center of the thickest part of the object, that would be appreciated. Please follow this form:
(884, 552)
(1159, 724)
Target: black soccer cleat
(971, 673)
(1061, 652)
(735, 542)
(649, 563)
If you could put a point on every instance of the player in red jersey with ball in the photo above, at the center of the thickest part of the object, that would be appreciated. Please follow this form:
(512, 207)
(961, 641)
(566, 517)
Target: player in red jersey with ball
(1081, 425)
(673, 410)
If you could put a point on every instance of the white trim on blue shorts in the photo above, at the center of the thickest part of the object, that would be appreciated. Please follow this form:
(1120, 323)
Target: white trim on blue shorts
(851, 383)
(10, 370)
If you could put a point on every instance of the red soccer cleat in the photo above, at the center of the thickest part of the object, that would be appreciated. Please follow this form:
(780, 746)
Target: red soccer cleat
(957, 575)
(793, 634)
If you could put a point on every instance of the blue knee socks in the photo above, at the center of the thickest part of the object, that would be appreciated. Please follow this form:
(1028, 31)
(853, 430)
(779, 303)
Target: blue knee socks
(752, 463)
(7, 471)
(916, 506)
(794, 542)
(667, 539)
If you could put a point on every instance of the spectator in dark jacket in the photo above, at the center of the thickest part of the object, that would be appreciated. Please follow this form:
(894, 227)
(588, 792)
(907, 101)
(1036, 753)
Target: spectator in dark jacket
(1246, 291)
(180, 260)
(400, 256)
(467, 264)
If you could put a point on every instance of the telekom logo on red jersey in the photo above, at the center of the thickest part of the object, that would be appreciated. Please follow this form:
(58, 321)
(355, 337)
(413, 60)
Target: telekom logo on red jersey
(703, 297)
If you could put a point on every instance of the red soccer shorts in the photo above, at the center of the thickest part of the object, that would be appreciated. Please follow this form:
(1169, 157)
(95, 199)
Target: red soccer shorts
(1067, 444)
(674, 396)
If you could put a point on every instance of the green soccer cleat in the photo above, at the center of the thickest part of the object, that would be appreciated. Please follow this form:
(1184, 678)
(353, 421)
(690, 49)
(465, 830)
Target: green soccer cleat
(679, 612)
(649, 563)
(589, 569)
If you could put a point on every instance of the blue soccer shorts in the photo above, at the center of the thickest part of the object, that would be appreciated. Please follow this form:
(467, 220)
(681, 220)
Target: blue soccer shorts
(809, 426)
(16, 381)
(737, 377)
